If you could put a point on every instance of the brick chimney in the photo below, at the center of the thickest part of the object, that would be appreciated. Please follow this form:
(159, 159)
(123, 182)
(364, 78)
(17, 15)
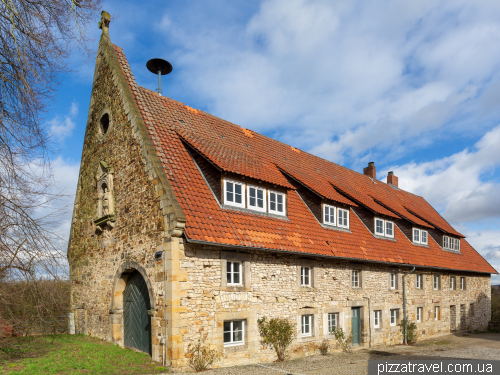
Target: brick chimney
(391, 179)
(371, 170)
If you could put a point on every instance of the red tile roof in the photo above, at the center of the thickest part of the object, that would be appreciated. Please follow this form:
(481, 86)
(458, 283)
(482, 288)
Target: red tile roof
(234, 149)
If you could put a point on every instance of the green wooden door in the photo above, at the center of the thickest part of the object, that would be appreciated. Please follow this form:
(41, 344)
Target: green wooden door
(136, 321)
(355, 325)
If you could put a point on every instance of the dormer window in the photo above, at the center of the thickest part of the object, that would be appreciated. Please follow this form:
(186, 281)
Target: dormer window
(256, 198)
(343, 215)
(384, 228)
(329, 214)
(420, 236)
(276, 203)
(234, 193)
(451, 243)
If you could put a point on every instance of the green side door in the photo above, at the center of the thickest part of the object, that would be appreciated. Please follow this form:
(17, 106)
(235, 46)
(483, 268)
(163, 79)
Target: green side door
(136, 321)
(355, 325)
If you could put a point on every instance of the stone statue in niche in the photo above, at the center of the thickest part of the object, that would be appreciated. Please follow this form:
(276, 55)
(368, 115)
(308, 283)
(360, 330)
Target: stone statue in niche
(105, 198)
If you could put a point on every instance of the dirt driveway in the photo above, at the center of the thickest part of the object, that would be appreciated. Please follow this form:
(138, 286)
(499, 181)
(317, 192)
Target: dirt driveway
(466, 346)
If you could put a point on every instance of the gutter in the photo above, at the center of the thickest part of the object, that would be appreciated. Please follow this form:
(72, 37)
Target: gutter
(404, 304)
(328, 256)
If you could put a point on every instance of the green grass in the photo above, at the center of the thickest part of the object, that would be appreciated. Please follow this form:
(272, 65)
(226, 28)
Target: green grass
(71, 354)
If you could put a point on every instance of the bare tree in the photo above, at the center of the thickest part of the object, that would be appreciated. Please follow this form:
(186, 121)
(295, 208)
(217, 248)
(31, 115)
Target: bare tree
(36, 40)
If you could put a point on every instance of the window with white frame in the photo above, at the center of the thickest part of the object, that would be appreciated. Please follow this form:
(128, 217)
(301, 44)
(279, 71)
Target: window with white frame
(333, 321)
(355, 282)
(384, 228)
(451, 243)
(276, 203)
(394, 317)
(377, 317)
(234, 274)
(453, 284)
(343, 218)
(462, 283)
(256, 198)
(307, 325)
(393, 281)
(328, 214)
(435, 282)
(437, 313)
(305, 276)
(419, 281)
(234, 332)
(420, 236)
(234, 193)
(419, 314)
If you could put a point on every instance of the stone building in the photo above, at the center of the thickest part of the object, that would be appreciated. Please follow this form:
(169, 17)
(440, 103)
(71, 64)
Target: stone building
(185, 224)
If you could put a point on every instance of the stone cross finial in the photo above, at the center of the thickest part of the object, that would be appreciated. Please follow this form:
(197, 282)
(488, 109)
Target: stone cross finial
(104, 23)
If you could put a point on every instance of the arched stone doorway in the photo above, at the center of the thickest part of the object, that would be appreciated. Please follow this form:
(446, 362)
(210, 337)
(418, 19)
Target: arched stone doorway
(136, 321)
(132, 306)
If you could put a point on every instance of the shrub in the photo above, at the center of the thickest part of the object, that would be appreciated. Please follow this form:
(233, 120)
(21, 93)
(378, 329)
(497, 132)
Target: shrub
(278, 334)
(411, 331)
(343, 341)
(201, 357)
(324, 346)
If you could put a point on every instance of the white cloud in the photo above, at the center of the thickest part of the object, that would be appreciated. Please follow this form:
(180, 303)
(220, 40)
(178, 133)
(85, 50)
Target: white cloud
(61, 128)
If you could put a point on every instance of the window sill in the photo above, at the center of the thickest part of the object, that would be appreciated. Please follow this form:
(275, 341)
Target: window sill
(307, 289)
(235, 348)
(384, 237)
(420, 244)
(234, 288)
(334, 227)
(248, 211)
(306, 339)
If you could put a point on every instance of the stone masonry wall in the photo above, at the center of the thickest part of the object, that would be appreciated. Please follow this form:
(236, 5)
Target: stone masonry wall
(272, 289)
(96, 257)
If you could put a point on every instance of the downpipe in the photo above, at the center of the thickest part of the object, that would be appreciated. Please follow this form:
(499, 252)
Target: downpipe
(165, 305)
(404, 304)
(369, 321)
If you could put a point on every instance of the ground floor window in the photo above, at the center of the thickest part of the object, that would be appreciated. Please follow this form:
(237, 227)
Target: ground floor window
(377, 316)
(234, 332)
(419, 314)
(333, 319)
(306, 325)
(437, 313)
(394, 317)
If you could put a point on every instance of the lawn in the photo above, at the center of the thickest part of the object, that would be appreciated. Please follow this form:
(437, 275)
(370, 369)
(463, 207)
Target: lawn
(71, 354)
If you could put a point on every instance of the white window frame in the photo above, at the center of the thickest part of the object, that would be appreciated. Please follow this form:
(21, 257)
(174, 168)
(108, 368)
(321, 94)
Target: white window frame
(303, 271)
(339, 223)
(451, 243)
(383, 226)
(419, 282)
(229, 203)
(392, 227)
(333, 318)
(393, 281)
(234, 343)
(453, 283)
(462, 283)
(435, 280)
(330, 214)
(355, 281)
(426, 242)
(419, 314)
(275, 212)
(394, 317)
(436, 313)
(264, 198)
(240, 272)
(416, 235)
(307, 321)
(377, 316)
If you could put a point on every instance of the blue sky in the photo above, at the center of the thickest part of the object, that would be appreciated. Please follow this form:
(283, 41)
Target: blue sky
(412, 86)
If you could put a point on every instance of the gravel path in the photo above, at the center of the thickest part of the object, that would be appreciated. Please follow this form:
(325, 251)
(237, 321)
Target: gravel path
(466, 346)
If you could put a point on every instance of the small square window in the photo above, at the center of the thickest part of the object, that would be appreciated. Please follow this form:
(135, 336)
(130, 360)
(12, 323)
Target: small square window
(435, 282)
(234, 273)
(306, 325)
(379, 227)
(234, 332)
(256, 198)
(355, 279)
(333, 320)
(234, 193)
(343, 218)
(462, 283)
(305, 276)
(419, 314)
(394, 317)
(416, 235)
(392, 279)
(329, 214)
(377, 316)
(424, 237)
(389, 228)
(277, 203)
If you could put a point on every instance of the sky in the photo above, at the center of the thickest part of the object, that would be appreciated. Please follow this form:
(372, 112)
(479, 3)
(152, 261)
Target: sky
(411, 86)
